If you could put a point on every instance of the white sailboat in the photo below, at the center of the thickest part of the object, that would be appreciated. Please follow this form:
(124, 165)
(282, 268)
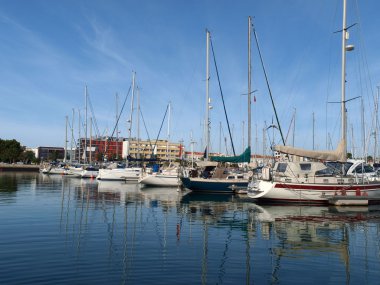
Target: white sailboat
(124, 173)
(168, 177)
(60, 169)
(315, 181)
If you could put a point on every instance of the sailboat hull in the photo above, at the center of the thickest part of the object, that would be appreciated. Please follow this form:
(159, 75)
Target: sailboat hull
(214, 185)
(121, 174)
(160, 180)
(311, 193)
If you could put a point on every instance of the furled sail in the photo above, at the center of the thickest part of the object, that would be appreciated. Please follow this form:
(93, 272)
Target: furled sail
(244, 157)
(330, 155)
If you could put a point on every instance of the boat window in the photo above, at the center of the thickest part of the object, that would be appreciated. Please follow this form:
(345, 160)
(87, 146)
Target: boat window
(376, 166)
(347, 166)
(326, 172)
(281, 167)
(305, 166)
(363, 169)
(337, 166)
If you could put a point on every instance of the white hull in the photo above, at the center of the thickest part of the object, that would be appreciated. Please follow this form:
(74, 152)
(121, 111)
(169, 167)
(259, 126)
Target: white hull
(89, 173)
(309, 192)
(55, 170)
(126, 174)
(76, 171)
(160, 180)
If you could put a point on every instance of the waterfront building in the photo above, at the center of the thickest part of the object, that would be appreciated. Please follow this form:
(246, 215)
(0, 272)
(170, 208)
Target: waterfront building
(100, 149)
(111, 148)
(49, 153)
(160, 149)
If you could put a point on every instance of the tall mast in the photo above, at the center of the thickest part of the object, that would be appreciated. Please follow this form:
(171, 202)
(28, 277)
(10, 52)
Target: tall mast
(376, 123)
(90, 140)
(168, 139)
(264, 143)
(352, 142)
(192, 142)
(131, 116)
(256, 142)
(138, 122)
(117, 125)
(64, 159)
(363, 129)
(249, 81)
(80, 140)
(313, 131)
(243, 139)
(207, 119)
(72, 138)
(343, 83)
(85, 126)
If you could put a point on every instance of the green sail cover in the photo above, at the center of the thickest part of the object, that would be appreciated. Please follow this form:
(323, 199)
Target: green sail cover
(244, 157)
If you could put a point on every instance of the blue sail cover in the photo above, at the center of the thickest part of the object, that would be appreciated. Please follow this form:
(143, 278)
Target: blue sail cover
(244, 157)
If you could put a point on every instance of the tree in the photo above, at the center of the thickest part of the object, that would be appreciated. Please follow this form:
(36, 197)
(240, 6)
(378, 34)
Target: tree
(27, 157)
(10, 150)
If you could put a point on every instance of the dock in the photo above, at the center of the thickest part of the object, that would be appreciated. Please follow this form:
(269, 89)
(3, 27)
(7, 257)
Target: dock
(19, 167)
(353, 200)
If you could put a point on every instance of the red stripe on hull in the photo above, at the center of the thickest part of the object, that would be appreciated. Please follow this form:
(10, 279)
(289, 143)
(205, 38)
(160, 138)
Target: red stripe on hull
(327, 187)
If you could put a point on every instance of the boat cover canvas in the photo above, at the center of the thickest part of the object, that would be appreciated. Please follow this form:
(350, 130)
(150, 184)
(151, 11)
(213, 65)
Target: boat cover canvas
(327, 155)
(244, 157)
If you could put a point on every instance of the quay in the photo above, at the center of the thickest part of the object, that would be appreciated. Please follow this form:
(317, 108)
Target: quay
(353, 200)
(19, 167)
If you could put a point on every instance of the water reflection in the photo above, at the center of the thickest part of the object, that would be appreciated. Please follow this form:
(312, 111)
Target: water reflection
(160, 235)
(318, 235)
(10, 181)
(321, 236)
(111, 191)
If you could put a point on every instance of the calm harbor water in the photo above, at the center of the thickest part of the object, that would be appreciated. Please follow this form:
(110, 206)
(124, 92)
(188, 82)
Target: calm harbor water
(63, 230)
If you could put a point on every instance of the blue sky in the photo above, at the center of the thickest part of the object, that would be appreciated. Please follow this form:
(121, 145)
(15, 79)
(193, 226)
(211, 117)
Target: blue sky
(49, 51)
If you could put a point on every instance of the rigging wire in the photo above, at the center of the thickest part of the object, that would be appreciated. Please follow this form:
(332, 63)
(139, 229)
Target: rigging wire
(147, 133)
(162, 123)
(117, 121)
(94, 121)
(121, 111)
(267, 82)
(221, 94)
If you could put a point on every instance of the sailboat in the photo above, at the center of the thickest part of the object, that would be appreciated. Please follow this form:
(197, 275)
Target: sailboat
(214, 178)
(315, 181)
(166, 177)
(122, 172)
